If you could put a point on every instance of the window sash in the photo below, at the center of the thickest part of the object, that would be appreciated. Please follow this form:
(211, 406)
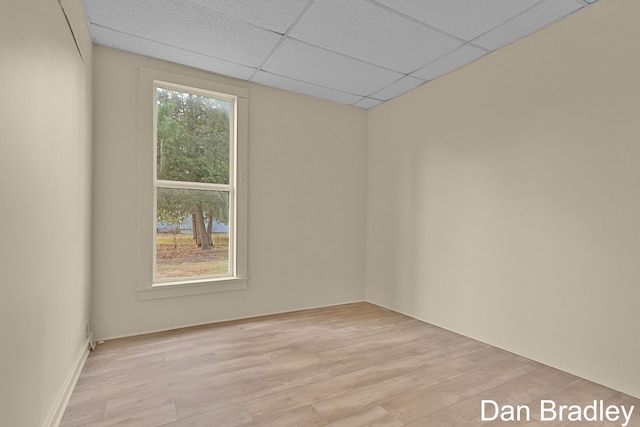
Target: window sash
(191, 185)
(231, 252)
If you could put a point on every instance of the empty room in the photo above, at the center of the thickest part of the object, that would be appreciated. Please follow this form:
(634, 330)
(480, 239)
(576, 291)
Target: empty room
(320, 212)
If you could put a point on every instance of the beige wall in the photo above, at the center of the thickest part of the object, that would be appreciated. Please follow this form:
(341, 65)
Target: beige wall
(503, 198)
(45, 200)
(307, 189)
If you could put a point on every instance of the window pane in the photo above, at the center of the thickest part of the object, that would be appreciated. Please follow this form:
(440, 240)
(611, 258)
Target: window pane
(193, 137)
(192, 234)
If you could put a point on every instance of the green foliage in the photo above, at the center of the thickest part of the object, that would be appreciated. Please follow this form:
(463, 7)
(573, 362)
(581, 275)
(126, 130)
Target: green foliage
(193, 138)
(193, 134)
(171, 207)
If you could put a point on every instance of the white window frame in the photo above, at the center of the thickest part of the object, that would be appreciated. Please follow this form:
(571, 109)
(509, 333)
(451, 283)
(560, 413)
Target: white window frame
(148, 287)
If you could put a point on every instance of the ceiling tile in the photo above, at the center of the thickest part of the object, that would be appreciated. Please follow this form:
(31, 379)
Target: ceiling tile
(274, 15)
(534, 19)
(456, 59)
(367, 103)
(399, 87)
(185, 25)
(371, 33)
(463, 18)
(303, 62)
(273, 80)
(106, 37)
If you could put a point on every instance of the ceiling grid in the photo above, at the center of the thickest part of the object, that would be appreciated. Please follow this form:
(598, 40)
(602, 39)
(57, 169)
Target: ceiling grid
(356, 52)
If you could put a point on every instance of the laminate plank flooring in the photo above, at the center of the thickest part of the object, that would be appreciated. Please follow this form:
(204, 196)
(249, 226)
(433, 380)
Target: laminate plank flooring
(348, 365)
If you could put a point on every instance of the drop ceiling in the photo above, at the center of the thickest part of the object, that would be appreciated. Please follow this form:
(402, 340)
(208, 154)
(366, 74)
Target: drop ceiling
(357, 52)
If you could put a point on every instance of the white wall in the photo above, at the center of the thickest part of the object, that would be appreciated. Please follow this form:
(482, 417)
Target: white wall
(503, 198)
(307, 189)
(45, 200)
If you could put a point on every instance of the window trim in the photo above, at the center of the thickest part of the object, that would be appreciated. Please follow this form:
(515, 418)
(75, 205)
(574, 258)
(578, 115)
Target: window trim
(149, 79)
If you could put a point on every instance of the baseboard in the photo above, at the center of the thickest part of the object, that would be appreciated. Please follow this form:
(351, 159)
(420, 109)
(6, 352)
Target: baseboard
(228, 319)
(55, 416)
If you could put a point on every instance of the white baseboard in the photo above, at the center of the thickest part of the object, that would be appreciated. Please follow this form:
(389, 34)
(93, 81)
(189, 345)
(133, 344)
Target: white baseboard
(55, 416)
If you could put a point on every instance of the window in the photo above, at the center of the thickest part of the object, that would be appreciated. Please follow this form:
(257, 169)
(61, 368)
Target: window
(196, 170)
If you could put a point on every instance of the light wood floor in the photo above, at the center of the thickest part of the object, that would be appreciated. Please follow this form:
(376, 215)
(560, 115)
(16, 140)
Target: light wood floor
(349, 365)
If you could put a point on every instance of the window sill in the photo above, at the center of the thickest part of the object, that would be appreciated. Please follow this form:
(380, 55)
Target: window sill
(186, 288)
